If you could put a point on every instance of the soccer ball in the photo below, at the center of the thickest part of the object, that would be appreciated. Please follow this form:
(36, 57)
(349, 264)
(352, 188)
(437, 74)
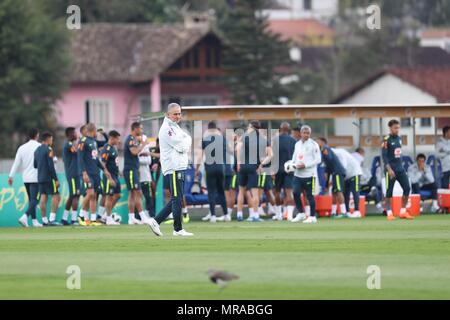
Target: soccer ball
(116, 217)
(289, 166)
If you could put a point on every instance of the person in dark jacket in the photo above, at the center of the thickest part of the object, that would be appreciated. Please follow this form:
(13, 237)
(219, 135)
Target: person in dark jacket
(47, 178)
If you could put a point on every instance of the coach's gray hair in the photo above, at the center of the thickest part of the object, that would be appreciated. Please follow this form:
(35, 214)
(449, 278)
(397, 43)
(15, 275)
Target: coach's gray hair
(305, 128)
(172, 105)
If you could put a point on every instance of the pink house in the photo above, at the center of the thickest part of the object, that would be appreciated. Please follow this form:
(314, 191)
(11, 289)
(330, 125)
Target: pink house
(121, 71)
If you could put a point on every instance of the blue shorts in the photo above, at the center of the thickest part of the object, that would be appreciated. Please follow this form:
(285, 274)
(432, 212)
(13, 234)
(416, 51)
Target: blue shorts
(132, 179)
(48, 188)
(283, 180)
(108, 189)
(247, 176)
(74, 185)
(94, 183)
(338, 183)
(265, 181)
(230, 182)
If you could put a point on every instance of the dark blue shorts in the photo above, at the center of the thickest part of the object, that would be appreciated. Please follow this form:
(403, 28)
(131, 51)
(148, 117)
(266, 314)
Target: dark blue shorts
(74, 185)
(247, 176)
(48, 188)
(265, 181)
(132, 179)
(338, 183)
(94, 183)
(283, 180)
(108, 189)
(230, 182)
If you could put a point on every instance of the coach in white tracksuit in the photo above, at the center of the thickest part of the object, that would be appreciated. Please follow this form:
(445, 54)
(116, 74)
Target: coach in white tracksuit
(353, 172)
(175, 145)
(306, 157)
(24, 162)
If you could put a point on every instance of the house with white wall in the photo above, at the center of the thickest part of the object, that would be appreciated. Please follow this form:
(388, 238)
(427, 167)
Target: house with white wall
(303, 9)
(398, 86)
(436, 37)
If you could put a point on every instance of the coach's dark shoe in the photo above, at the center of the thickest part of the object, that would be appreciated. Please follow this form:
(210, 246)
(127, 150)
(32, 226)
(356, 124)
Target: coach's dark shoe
(65, 223)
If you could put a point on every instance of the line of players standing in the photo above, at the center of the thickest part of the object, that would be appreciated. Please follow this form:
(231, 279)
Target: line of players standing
(92, 170)
(250, 174)
(296, 173)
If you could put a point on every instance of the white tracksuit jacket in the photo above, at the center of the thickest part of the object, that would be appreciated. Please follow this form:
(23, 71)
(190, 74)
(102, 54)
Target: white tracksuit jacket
(307, 152)
(350, 164)
(175, 145)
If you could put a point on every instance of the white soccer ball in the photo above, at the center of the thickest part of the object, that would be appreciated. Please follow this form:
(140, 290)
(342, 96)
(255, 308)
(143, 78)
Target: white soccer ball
(116, 217)
(289, 166)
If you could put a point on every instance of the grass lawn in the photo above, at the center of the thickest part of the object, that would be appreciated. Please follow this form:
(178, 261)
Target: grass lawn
(275, 260)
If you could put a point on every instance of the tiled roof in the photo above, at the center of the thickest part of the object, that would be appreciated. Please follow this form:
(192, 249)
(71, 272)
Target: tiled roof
(435, 81)
(106, 52)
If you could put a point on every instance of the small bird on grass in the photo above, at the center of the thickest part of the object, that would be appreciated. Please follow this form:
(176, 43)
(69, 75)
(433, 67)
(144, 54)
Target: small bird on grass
(221, 278)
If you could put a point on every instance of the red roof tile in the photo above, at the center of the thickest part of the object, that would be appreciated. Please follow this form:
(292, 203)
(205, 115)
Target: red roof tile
(299, 29)
(433, 33)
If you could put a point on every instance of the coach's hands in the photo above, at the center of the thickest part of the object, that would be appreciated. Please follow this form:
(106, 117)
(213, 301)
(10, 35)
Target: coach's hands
(301, 166)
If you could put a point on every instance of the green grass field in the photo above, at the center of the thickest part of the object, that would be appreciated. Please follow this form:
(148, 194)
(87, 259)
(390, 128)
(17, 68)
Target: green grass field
(274, 260)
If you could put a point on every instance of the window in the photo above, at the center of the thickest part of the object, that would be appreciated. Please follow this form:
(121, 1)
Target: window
(99, 112)
(405, 122)
(307, 4)
(425, 122)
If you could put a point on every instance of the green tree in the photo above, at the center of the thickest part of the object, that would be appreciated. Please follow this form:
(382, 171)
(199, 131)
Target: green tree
(33, 70)
(129, 11)
(252, 56)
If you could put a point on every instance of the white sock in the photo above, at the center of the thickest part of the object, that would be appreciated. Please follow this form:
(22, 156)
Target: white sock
(44, 220)
(260, 211)
(109, 219)
(35, 221)
(84, 214)
(240, 214)
(290, 210)
(93, 216)
(52, 216)
(343, 208)
(389, 213)
(185, 210)
(278, 210)
(143, 216)
(403, 210)
(255, 214)
(435, 203)
(333, 209)
(101, 211)
(65, 215)
(131, 216)
(74, 216)
(308, 210)
(229, 211)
